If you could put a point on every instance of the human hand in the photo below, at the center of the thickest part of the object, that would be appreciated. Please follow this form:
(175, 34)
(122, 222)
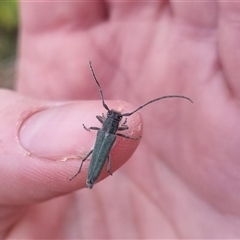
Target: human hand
(182, 181)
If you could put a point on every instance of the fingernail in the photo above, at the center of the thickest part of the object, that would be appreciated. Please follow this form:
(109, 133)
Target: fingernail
(57, 132)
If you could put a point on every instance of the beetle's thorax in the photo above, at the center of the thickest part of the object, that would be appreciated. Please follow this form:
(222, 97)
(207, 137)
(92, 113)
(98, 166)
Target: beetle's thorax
(112, 121)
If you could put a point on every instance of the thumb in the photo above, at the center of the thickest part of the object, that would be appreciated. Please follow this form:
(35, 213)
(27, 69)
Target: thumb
(37, 136)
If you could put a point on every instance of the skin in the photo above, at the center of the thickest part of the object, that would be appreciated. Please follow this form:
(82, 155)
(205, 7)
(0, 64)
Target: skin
(183, 180)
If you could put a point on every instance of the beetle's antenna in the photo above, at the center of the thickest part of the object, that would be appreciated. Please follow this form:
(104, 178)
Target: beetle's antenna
(99, 87)
(154, 100)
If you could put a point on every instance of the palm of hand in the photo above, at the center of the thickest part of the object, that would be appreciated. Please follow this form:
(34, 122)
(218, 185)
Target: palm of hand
(184, 170)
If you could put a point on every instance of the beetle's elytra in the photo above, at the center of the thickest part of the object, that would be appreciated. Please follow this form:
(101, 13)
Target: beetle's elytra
(106, 136)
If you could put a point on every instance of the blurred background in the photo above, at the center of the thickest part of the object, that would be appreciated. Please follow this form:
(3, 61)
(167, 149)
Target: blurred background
(8, 42)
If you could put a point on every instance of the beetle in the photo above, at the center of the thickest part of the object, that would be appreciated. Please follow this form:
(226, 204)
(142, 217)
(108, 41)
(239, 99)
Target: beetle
(106, 136)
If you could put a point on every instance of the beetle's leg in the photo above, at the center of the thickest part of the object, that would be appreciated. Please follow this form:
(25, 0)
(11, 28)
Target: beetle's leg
(125, 136)
(125, 121)
(83, 160)
(101, 119)
(109, 165)
(91, 128)
(123, 126)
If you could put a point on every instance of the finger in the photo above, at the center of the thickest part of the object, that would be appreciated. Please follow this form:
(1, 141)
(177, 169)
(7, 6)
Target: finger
(229, 35)
(37, 136)
(54, 48)
(132, 10)
(192, 42)
(199, 16)
(59, 15)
